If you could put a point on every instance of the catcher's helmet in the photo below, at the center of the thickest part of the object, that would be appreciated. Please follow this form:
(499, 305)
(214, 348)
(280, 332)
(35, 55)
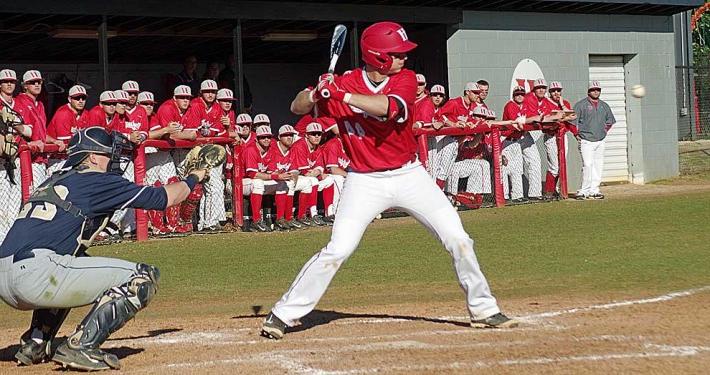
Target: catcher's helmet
(381, 39)
(96, 140)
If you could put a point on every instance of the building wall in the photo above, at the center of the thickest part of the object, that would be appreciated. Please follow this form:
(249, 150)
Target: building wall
(489, 45)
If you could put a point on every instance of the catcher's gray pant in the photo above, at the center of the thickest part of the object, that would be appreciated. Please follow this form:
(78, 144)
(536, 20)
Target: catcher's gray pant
(50, 280)
(478, 172)
(159, 167)
(553, 161)
(532, 163)
(212, 209)
(443, 153)
(39, 175)
(512, 174)
(366, 195)
(126, 218)
(11, 196)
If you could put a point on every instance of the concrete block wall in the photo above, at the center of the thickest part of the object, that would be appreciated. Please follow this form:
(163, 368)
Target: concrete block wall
(488, 45)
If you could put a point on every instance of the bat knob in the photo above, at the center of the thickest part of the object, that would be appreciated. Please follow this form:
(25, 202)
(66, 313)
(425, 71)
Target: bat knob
(325, 93)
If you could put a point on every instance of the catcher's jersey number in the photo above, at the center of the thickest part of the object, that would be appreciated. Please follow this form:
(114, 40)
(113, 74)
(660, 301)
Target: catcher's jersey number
(43, 210)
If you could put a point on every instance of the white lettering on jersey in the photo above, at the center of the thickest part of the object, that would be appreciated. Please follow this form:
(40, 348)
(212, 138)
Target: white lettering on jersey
(343, 162)
(283, 166)
(261, 167)
(311, 163)
(133, 125)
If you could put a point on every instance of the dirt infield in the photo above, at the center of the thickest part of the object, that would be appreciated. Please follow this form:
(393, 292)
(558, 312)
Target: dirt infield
(643, 334)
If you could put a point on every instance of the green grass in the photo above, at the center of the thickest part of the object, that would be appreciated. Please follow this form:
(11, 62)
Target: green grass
(648, 245)
(694, 163)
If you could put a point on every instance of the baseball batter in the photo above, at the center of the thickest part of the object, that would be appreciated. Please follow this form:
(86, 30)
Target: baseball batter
(51, 274)
(372, 107)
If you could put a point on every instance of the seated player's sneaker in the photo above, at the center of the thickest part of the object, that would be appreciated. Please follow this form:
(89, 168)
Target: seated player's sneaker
(597, 196)
(329, 220)
(536, 199)
(273, 328)
(581, 197)
(85, 359)
(260, 226)
(295, 224)
(305, 222)
(31, 352)
(317, 220)
(282, 225)
(498, 320)
(519, 201)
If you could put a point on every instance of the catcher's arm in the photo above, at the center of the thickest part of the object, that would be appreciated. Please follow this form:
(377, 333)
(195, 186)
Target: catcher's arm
(178, 191)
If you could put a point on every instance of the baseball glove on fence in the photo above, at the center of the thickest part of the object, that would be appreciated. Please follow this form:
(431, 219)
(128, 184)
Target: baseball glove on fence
(202, 157)
(8, 145)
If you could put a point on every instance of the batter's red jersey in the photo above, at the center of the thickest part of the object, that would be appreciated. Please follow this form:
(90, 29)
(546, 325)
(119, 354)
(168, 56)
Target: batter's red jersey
(280, 161)
(455, 110)
(168, 112)
(334, 155)
(66, 122)
(533, 106)
(425, 111)
(306, 159)
(255, 161)
(512, 111)
(375, 143)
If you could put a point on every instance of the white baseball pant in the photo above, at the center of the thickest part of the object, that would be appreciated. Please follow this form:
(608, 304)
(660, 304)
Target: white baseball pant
(338, 180)
(257, 186)
(303, 184)
(478, 172)
(447, 150)
(11, 196)
(212, 209)
(592, 166)
(532, 163)
(512, 173)
(159, 167)
(553, 162)
(408, 188)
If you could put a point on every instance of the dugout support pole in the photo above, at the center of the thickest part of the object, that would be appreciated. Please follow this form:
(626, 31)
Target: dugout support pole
(562, 160)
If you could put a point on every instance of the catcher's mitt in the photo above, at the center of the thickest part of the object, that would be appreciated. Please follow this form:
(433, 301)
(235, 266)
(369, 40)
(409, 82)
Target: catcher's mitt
(202, 157)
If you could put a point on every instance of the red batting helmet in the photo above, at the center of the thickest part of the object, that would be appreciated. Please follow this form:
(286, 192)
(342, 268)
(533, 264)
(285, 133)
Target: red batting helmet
(381, 39)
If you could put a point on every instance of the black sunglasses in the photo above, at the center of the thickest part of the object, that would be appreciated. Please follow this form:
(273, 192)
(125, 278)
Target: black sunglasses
(78, 98)
(315, 134)
(107, 103)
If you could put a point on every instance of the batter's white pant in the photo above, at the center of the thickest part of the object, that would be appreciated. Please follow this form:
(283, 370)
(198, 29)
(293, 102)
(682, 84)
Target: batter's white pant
(212, 209)
(339, 181)
(126, 218)
(11, 196)
(512, 174)
(592, 166)
(478, 172)
(365, 196)
(532, 162)
(553, 162)
(39, 175)
(159, 167)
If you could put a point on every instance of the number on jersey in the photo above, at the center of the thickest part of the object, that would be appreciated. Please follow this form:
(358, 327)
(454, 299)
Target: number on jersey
(355, 130)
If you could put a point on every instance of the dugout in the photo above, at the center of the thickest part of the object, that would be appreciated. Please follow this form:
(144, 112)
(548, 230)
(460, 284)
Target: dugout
(280, 46)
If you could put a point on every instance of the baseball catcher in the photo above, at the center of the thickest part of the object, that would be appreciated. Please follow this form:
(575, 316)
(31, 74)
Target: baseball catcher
(51, 273)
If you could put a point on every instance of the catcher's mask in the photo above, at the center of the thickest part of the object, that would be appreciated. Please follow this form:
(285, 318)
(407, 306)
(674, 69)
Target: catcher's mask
(96, 140)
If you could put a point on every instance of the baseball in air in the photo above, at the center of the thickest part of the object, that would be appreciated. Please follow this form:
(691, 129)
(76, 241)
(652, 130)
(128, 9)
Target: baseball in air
(638, 91)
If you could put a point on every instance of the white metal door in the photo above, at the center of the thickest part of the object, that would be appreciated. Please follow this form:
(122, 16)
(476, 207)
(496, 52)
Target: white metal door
(609, 71)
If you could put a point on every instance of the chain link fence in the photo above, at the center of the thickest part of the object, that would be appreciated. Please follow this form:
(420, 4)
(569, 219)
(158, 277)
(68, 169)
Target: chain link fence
(693, 99)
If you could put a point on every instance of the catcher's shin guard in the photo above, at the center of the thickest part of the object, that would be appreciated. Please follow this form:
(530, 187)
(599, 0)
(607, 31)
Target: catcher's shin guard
(115, 307)
(190, 204)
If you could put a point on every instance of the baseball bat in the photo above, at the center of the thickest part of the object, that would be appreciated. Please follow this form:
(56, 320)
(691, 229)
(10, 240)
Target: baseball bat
(336, 48)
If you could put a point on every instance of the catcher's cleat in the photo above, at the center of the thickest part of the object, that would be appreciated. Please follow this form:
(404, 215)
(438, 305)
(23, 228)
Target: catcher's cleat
(282, 225)
(498, 320)
(273, 328)
(295, 224)
(85, 359)
(317, 220)
(31, 352)
(260, 226)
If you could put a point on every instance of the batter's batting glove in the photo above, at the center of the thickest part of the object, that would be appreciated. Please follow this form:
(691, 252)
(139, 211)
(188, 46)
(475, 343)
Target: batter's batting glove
(336, 92)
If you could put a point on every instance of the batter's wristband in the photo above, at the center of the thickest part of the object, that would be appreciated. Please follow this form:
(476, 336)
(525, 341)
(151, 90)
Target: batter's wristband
(192, 180)
(274, 176)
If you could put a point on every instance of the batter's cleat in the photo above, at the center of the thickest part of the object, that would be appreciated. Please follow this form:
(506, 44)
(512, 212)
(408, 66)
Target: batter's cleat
(260, 226)
(317, 220)
(295, 224)
(85, 359)
(282, 225)
(31, 352)
(273, 328)
(498, 320)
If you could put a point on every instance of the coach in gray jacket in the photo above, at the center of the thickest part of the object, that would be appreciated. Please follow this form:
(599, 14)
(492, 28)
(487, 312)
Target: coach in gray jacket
(594, 119)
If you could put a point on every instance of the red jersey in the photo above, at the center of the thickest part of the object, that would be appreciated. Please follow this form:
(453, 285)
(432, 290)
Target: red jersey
(199, 115)
(334, 155)
(564, 106)
(32, 111)
(97, 117)
(255, 161)
(66, 122)
(168, 112)
(533, 106)
(137, 120)
(306, 159)
(376, 143)
(455, 110)
(512, 111)
(425, 111)
(280, 161)
(471, 152)
(302, 124)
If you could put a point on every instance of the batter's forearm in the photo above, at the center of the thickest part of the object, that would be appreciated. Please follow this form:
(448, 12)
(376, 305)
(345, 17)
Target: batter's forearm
(376, 105)
(302, 103)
